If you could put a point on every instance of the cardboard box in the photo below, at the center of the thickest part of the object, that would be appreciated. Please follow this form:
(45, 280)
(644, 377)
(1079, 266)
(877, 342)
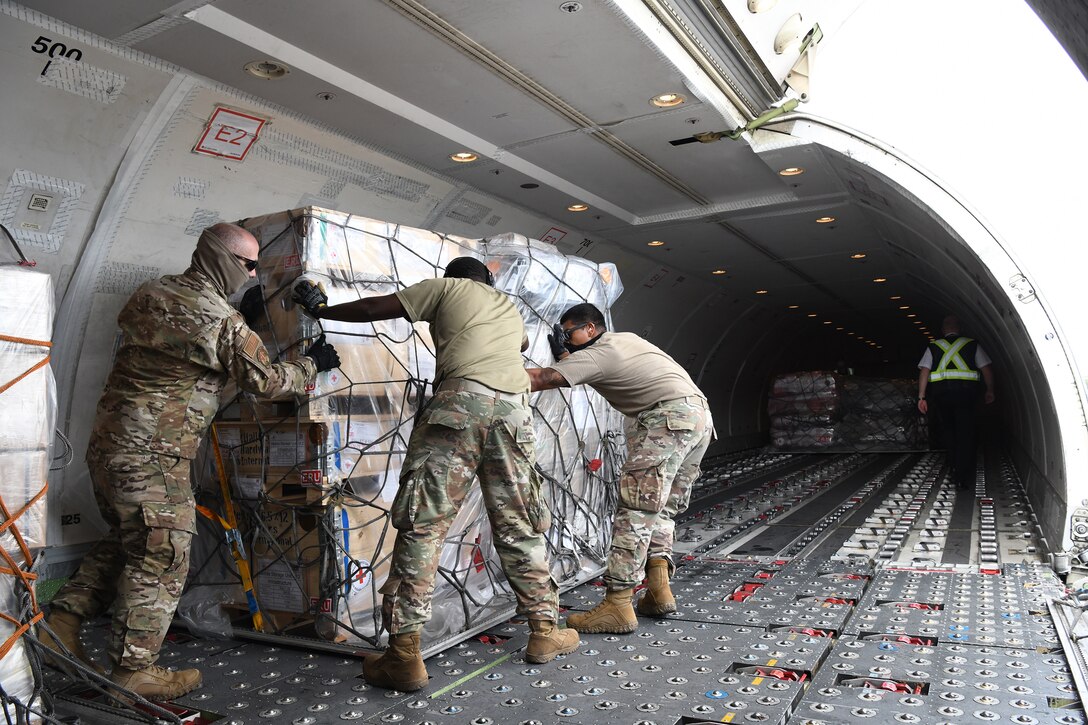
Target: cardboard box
(316, 565)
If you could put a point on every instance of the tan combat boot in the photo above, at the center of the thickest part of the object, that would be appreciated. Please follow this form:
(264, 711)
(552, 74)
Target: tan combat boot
(65, 626)
(400, 667)
(658, 599)
(614, 615)
(548, 641)
(156, 683)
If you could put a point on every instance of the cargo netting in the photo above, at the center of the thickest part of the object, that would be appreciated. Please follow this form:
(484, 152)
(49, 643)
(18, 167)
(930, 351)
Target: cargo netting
(823, 411)
(310, 480)
(28, 411)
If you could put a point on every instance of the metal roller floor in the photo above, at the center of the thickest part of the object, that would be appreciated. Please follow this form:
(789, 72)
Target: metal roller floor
(811, 589)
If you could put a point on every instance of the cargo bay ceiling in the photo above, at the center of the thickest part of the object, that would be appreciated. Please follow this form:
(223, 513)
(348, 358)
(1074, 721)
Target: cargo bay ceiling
(557, 96)
(854, 259)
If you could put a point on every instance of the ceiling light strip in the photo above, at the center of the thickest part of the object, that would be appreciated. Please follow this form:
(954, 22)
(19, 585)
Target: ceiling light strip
(449, 33)
(271, 46)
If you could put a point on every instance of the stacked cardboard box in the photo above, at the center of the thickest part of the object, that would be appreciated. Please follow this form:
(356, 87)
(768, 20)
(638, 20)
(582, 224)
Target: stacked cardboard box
(317, 475)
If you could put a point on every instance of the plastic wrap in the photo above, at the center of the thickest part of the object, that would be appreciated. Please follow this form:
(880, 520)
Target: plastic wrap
(16, 677)
(313, 478)
(820, 411)
(28, 409)
(28, 403)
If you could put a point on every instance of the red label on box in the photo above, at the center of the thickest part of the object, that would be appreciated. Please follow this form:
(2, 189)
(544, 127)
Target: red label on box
(310, 477)
(320, 605)
(292, 261)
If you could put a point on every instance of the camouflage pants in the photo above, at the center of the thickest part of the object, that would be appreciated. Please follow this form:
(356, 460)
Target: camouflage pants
(665, 445)
(462, 435)
(140, 566)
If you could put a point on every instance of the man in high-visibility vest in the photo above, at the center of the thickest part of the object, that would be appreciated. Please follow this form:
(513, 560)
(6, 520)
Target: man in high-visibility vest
(949, 372)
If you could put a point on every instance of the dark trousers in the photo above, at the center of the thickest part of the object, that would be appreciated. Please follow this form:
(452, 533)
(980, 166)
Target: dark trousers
(952, 406)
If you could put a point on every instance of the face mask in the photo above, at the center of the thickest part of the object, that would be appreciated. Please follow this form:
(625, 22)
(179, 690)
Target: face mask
(220, 265)
(572, 348)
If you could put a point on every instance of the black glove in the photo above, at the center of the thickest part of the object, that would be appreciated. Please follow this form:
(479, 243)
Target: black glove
(324, 355)
(556, 340)
(252, 305)
(310, 297)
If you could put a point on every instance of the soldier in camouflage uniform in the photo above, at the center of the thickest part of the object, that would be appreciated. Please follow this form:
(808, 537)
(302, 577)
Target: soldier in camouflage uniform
(668, 431)
(477, 424)
(182, 341)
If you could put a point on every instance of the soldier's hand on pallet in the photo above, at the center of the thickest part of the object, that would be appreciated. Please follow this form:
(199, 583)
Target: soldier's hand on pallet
(556, 340)
(310, 297)
(324, 355)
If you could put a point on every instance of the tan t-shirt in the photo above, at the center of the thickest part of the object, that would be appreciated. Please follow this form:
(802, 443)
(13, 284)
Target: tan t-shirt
(629, 372)
(477, 331)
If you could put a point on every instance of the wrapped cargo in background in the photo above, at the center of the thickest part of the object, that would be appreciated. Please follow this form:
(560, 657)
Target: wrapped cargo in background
(822, 411)
(28, 411)
(313, 478)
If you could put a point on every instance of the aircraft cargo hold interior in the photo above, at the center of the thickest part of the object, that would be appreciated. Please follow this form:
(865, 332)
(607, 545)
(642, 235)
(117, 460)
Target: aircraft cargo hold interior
(652, 157)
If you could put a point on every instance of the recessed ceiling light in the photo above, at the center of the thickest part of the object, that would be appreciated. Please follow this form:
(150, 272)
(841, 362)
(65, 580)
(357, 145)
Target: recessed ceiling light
(825, 220)
(792, 307)
(326, 95)
(878, 280)
(267, 69)
(463, 157)
(655, 243)
(828, 322)
(811, 314)
(917, 322)
(895, 297)
(791, 171)
(912, 315)
(904, 307)
(839, 329)
(577, 207)
(761, 291)
(858, 255)
(718, 271)
(667, 100)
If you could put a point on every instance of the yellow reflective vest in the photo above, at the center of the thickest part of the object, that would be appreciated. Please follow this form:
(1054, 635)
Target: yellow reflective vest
(952, 366)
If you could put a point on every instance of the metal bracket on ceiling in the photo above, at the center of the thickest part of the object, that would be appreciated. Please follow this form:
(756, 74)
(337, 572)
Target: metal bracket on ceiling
(798, 77)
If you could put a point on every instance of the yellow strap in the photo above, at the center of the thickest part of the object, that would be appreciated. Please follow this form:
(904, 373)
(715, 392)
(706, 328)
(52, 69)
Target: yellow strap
(232, 523)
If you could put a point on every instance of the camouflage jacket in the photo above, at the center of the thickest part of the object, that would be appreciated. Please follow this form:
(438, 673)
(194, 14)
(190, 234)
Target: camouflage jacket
(181, 342)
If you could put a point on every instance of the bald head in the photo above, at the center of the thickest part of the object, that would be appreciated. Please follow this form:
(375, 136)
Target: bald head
(236, 239)
(950, 325)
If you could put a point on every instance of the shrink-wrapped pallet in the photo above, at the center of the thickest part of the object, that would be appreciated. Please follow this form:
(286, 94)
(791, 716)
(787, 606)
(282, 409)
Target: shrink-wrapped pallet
(27, 416)
(28, 399)
(821, 411)
(325, 467)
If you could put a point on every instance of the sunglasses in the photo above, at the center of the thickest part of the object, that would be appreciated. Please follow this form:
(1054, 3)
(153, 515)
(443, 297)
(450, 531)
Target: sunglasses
(249, 264)
(568, 333)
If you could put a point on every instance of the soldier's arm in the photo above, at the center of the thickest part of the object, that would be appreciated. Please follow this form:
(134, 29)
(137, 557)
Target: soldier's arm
(243, 354)
(923, 384)
(368, 309)
(546, 379)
